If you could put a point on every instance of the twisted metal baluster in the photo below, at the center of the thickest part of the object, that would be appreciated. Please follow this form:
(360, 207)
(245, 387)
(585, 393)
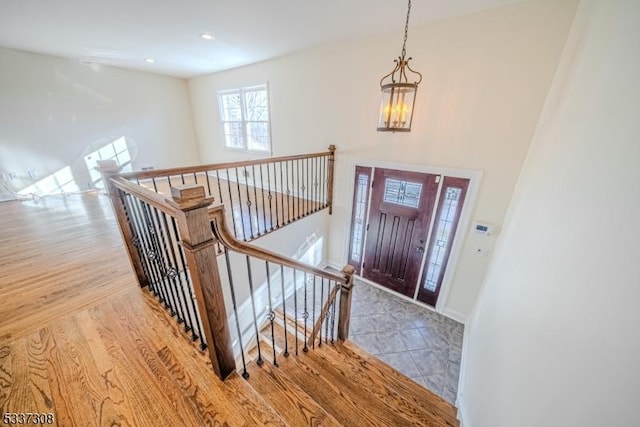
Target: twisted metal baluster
(284, 312)
(305, 314)
(272, 314)
(253, 310)
(248, 192)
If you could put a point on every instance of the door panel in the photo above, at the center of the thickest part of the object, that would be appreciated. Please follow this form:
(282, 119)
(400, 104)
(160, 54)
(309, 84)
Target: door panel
(401, 207)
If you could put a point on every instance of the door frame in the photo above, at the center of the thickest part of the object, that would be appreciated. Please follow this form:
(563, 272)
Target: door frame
(462, 230)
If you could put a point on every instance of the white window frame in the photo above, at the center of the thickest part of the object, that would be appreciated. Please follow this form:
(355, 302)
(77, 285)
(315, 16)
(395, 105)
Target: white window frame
(242, 91)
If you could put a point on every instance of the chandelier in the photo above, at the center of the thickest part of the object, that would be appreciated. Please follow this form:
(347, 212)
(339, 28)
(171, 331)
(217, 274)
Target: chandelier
(398, 93)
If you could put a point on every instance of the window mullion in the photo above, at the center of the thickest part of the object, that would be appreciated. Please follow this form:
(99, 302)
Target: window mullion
(243, 110)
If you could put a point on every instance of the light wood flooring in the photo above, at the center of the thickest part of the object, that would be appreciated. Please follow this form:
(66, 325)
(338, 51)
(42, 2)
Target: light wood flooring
(80, 340)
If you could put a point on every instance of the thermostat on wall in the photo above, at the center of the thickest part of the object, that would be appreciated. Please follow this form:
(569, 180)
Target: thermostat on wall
(483, 228)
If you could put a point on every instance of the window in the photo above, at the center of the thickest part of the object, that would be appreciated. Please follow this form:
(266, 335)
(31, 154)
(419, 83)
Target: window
(402, 193)
(359, 215)
(245, 118)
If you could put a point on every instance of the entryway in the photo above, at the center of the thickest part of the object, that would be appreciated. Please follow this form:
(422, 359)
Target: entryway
(403, 227)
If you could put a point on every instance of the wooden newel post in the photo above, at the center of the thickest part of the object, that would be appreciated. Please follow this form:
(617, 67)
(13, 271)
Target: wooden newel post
(194, 225)
(109, 169)
(332, 160)
(346, 293)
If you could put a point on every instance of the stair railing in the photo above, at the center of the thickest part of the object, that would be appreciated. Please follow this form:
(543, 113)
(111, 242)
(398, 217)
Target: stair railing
(173, 244)
(262, 195)
(306, 296)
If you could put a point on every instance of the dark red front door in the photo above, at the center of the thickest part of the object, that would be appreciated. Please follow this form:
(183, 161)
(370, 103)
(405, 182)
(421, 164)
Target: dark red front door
(402, 204)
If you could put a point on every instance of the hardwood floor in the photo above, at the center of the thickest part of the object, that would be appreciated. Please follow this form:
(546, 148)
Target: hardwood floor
(81, 341)
(57, 256)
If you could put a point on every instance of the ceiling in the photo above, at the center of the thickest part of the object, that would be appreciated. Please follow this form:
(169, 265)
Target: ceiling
(124, 33)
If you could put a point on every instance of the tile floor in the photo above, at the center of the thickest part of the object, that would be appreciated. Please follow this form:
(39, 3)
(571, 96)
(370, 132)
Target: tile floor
(418, 342)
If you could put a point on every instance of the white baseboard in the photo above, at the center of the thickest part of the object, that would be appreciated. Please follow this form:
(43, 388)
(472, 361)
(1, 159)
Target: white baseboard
(334, 264)
(462, 413)
(455, 315)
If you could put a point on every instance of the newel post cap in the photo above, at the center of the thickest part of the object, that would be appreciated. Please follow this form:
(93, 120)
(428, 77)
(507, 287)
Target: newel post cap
(188, 197)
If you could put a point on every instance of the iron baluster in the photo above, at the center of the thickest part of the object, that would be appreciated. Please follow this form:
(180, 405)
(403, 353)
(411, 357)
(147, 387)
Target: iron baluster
(255, 199)
(177, 279)
(333, 315)
(253, 310)
(305, 314)
(233, 219)
(272, 315)
(182, 178)
(295, 308)
(155, 186)
(219, 187)
(297, 188)
(167, 270)
(188, 324)
(244, 236)
(288, 193)
(313, 315)
(146, 248)
(136, 240)
(248, 193)
(284, 312)
(264, 209)
(245, 374)
(270, 196)
(195, 178)
(327, 316)
(208, 178)
(321, 305)
(154, 252)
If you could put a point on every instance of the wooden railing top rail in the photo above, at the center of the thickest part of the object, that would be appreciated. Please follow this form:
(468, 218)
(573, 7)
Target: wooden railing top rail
(151, 197)
(227, 238)
(217, 166)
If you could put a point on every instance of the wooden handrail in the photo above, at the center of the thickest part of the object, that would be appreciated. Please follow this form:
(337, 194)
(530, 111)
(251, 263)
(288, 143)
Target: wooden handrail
(217, 166)
(227, 238)
(151, 197)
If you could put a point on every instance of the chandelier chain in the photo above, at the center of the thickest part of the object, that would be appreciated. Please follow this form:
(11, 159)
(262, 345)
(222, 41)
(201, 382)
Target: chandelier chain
(406, 31)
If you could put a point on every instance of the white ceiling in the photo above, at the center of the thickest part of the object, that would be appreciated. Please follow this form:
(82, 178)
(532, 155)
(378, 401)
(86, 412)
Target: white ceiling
(125, 32)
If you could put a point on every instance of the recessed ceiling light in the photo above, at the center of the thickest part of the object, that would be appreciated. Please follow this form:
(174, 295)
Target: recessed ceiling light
(150, 60)
(206, 36)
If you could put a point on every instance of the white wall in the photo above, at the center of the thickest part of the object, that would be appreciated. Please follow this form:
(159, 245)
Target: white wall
(52, 110)
(486, 76)
(554, 338)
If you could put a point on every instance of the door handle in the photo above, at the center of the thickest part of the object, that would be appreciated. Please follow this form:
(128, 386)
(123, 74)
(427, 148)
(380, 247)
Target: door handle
(420, 249)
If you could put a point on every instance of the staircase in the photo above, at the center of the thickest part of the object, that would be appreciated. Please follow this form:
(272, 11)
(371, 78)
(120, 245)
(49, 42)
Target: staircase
(300, 370)
(339, 384)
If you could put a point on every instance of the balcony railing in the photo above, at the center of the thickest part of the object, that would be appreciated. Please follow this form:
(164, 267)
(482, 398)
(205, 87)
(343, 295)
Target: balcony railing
(260, 195)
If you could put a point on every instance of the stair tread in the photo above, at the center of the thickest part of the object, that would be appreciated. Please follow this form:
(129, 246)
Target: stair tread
(353, 355)
(289, 400)
(347, 405)
(371, 391)
(252, 405)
